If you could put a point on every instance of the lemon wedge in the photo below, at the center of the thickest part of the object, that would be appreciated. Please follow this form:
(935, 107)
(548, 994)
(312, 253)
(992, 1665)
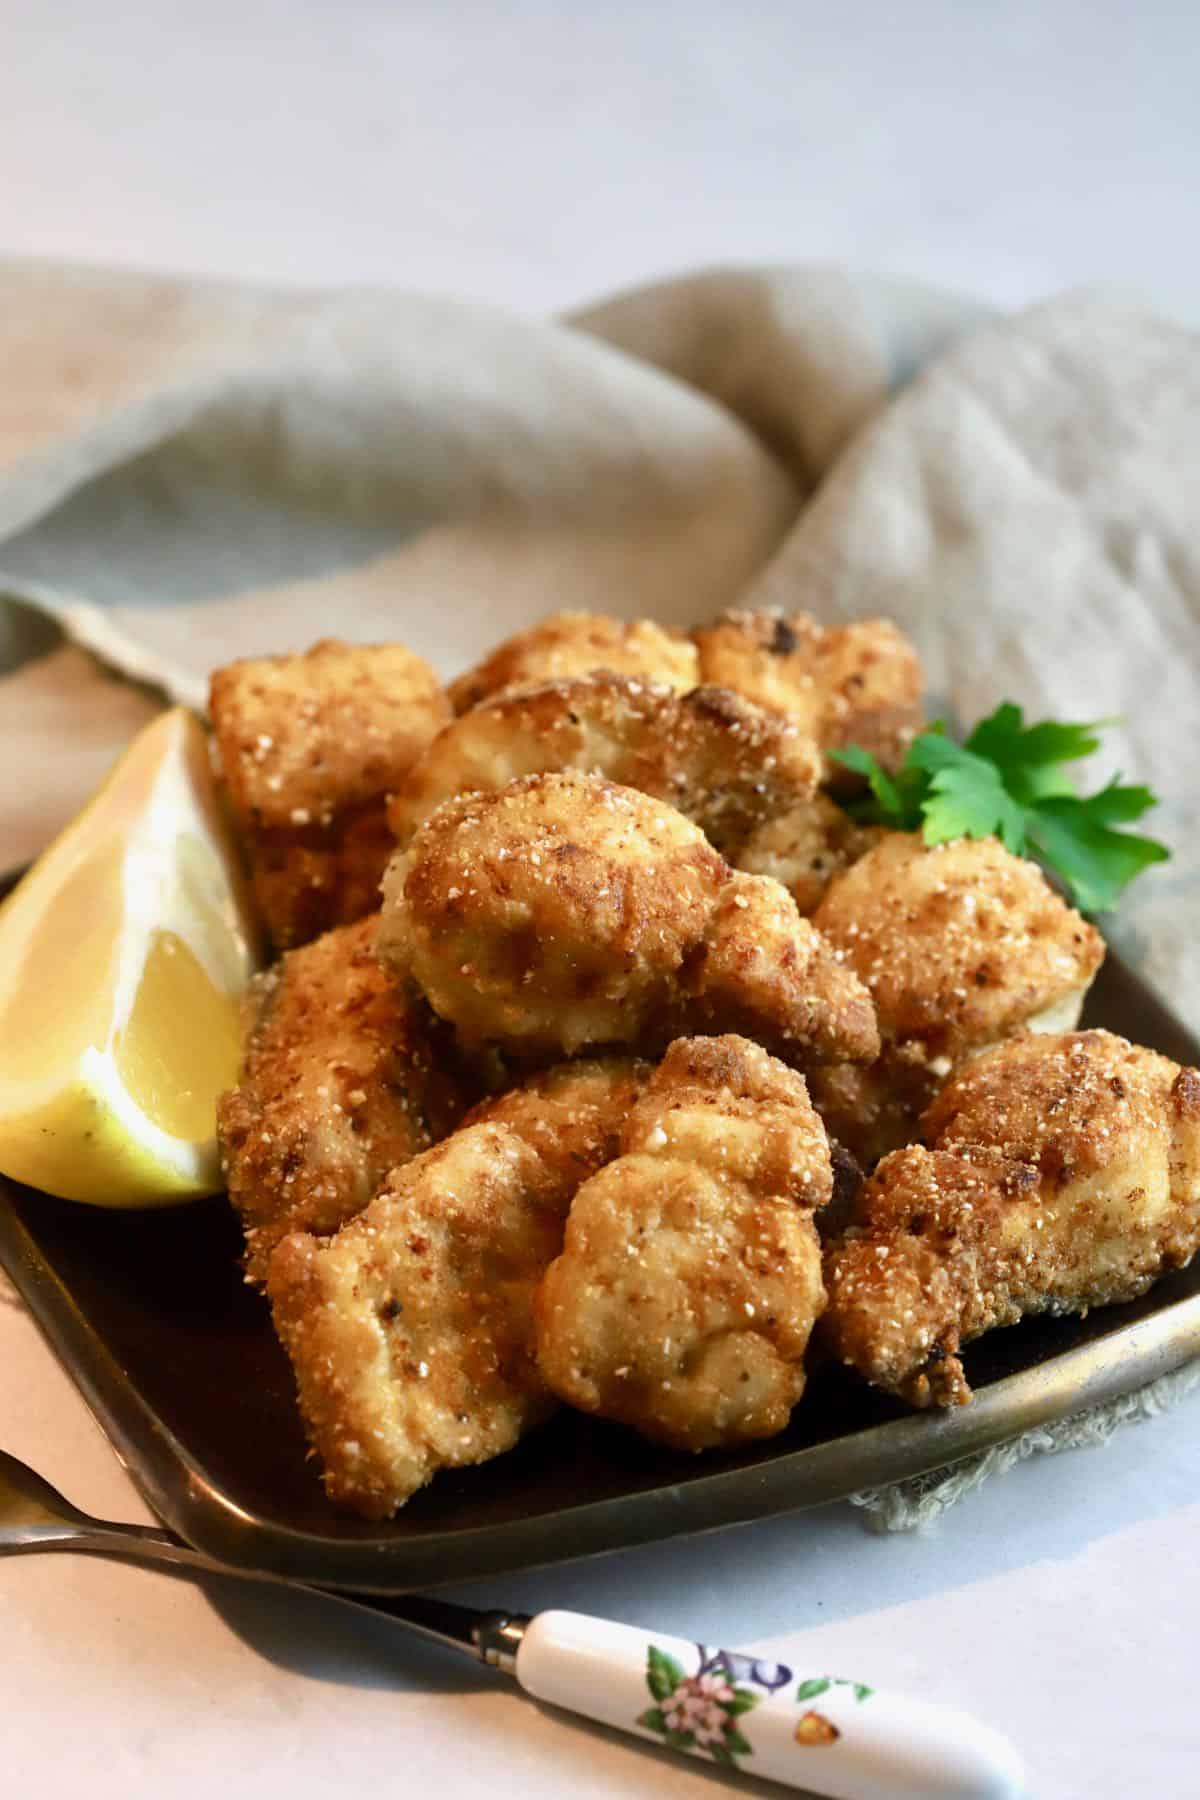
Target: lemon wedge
(123, 956)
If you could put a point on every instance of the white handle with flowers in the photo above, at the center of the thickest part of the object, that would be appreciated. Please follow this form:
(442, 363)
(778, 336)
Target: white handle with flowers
(823, 1733)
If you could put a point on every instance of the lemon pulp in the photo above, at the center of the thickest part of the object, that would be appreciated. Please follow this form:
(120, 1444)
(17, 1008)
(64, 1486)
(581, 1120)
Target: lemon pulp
(123, 957)
(179, 1046)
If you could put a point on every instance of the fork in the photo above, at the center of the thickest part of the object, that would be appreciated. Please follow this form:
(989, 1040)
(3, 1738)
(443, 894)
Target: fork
(827, 1734)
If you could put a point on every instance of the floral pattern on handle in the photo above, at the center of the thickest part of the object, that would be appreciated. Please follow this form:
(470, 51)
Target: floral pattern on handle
(821, 1684)
(696, 1712)
(701, 1713)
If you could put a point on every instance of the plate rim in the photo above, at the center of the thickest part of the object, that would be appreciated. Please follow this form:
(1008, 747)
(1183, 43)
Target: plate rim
(171, 1480)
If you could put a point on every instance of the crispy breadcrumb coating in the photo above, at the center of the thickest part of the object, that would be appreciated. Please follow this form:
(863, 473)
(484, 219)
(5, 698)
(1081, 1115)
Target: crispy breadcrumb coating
(1064, 1174)
(572, 1113)
(843, 684)
(346, 1074)
(565, 911)
(309, 748)
(690, 1277)
(805, 848)
(720, 760)
(411, 1332)
(577, 643)
(960, 944)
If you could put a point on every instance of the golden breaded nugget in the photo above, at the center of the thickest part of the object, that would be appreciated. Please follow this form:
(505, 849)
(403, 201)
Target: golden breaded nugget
(411, 1332)
(720, 760)
(805, 848)
(576, 643)
(690, 1277)
(1064, 1174)
(960, 944)
(346, 1074)
(309, 749)
(565, 911)
(843, 684)
(571, 1113)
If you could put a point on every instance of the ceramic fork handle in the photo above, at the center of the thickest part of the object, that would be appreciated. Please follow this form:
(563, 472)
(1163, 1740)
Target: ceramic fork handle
(827, 1734)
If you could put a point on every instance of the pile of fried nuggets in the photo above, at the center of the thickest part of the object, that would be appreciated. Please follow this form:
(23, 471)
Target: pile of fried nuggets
(653, 1060)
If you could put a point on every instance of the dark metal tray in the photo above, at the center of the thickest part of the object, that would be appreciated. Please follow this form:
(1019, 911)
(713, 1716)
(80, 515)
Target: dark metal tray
(176, 1358)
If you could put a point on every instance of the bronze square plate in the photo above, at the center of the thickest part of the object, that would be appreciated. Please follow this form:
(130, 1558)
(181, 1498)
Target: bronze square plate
(176, 1358)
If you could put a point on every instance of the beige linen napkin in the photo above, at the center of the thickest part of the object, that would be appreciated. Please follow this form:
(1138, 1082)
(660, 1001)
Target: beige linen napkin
(191, 471)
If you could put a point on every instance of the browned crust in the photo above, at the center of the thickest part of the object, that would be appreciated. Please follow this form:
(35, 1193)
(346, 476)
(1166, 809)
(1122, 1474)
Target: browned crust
(690, 1275)
(720, 760)
(844, 684)
(576, 643)
(959, 944)
(566, 911)
(345, 1076)
(309, 747)
(571, 1113)
(411, 1332)
(805, 848)
(1064, 1173)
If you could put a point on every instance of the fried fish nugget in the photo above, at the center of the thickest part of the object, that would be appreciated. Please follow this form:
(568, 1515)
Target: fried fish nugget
(565, 911)
(805, 848)
(1064, 1174)
(577, 643)
(720, 760)
(411, 1332)
(309, 749)
(690, 1277)
(845, 684)
(345, 1075)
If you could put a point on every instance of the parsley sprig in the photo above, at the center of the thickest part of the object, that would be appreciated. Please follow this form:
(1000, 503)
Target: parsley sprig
(1010, 780)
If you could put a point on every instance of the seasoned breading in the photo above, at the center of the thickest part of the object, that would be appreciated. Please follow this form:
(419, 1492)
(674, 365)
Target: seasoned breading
(576, 643)
(843, 684)
(805, 848)
(690, 1277)
(309, 748)
(1064, 1174)
(768, 974)
(346, 1074)
(960, 944)
(571, 1113)
(720, 760)
(411, 1332)
(565, 911)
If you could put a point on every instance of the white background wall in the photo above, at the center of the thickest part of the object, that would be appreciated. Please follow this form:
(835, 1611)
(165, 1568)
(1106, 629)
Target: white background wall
(538, 154)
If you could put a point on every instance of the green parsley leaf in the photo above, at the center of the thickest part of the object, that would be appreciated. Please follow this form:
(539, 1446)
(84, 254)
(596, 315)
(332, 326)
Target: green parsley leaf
(894, 800)
(1096, 862)
(884, 791)
(967, 796)
(1032, 758)
(1009, 780)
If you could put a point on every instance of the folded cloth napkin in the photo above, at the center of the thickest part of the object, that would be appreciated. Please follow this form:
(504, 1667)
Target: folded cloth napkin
(192, 471)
